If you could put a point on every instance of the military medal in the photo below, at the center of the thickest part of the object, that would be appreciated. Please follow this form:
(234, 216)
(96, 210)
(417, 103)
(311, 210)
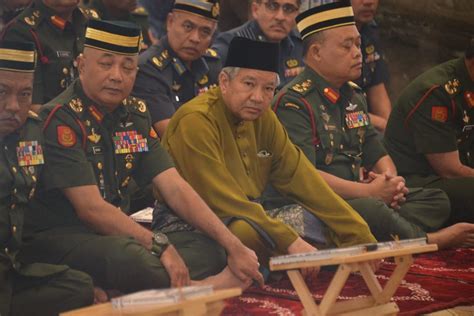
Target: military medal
(129, 142)
(129, 159)
(93, 137)
(357, 119)
(29, 153)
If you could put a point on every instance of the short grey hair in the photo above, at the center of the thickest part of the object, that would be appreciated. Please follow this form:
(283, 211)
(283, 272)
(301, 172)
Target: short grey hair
(318, 37)
(232, 72)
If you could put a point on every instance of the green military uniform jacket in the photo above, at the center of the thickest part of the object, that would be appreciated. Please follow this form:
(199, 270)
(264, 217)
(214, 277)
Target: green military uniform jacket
(230, 162)
(434, 114)
(330, 125)
(88, 146)
(96, 10)
(21, 160)
(57, 42)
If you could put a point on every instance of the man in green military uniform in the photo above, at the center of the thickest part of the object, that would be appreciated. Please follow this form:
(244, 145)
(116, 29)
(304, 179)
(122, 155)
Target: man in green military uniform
(125, 10)
(26, 289)
(326, 116)
(228, 145)
(181, 66)
(57, 29)
(98, 139)
(430, 132)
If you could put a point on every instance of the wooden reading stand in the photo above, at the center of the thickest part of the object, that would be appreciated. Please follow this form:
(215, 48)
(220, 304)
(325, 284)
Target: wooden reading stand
(379, 301)
(211, 304)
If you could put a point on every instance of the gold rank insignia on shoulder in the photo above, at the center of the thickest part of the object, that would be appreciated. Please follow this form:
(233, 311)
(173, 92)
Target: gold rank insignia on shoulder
(140, 11)
(203, 80)
(292, 105)
(211, 52)
(32, 114)
(452, 86)
(292, 63)
(76, 105)
(141, 106)
(157, 62)
(215, 10)
(30, 20)
(370, 49)
(303, 86)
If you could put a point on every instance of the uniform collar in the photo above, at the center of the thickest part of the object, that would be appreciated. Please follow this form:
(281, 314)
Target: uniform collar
(198, 69)
(48, 14)
(97, 111)
(330, 93)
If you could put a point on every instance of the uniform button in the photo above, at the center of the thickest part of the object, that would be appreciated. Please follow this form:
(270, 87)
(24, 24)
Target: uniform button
(116, 173)
(353, 166)
(119, 192)
(65, 71)
(14, 229)
(244, 154)
(239, 137)
(14, 169)
(248, 172)
(99, 166)
(13, 206)
(15, 191)
(6, 251)
(6, 147)
(33, 178)
(342, 146)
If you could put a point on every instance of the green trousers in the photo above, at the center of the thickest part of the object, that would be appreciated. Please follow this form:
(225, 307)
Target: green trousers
(121, 263)
(25, 295)
(425, 210)
(459, 190)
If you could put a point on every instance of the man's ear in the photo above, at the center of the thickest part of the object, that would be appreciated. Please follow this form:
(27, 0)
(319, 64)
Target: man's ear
(80, 63)
(169, 20)
(223, 82)
(254, 6)
(314, 51)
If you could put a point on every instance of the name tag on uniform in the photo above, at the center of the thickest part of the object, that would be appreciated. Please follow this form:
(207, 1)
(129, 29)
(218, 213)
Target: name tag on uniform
(129, 142)
(357, 119)
(97, 150)
(467, 128)
(29, 154)
(63, 54)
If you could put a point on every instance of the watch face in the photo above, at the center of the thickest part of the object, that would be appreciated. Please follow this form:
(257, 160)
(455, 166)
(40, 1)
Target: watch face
(161, 238)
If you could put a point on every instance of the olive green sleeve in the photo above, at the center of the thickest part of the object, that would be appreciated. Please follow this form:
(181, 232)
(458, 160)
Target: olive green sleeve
(295, 118)
(433, 135)
(294, 176)
(196, 149)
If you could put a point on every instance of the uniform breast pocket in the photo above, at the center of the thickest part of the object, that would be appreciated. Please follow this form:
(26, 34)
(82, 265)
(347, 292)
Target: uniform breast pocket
(265, 160)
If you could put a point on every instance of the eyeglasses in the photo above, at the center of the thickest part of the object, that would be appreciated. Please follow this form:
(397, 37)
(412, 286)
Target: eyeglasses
(274, 7)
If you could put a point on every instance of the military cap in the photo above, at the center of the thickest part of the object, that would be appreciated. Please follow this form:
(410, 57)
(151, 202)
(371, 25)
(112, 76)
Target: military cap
(323, 17)
(247, 53)
(206, 8)
(117, 37)
(17, 56)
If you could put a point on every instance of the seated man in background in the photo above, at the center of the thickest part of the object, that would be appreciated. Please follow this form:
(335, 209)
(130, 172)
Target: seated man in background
(57, 29)
(97, 139)
(374, 68)
(273, 21)
(430, 133)
(326, 116)
(26, 289)
(181, 66)
(229, 145)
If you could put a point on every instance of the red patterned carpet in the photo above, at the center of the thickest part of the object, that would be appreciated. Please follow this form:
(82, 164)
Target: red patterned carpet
(435, 281)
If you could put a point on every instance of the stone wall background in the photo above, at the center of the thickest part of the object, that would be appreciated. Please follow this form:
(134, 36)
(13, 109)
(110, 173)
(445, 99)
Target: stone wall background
(416, 35)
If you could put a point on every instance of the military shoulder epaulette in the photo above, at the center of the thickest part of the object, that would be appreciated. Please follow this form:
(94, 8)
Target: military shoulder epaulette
(212, 53)
(90, 13)
(354, 85)
(162, 60)
(140, 11)
(135, 104)
(302, 87)
(453, 86)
